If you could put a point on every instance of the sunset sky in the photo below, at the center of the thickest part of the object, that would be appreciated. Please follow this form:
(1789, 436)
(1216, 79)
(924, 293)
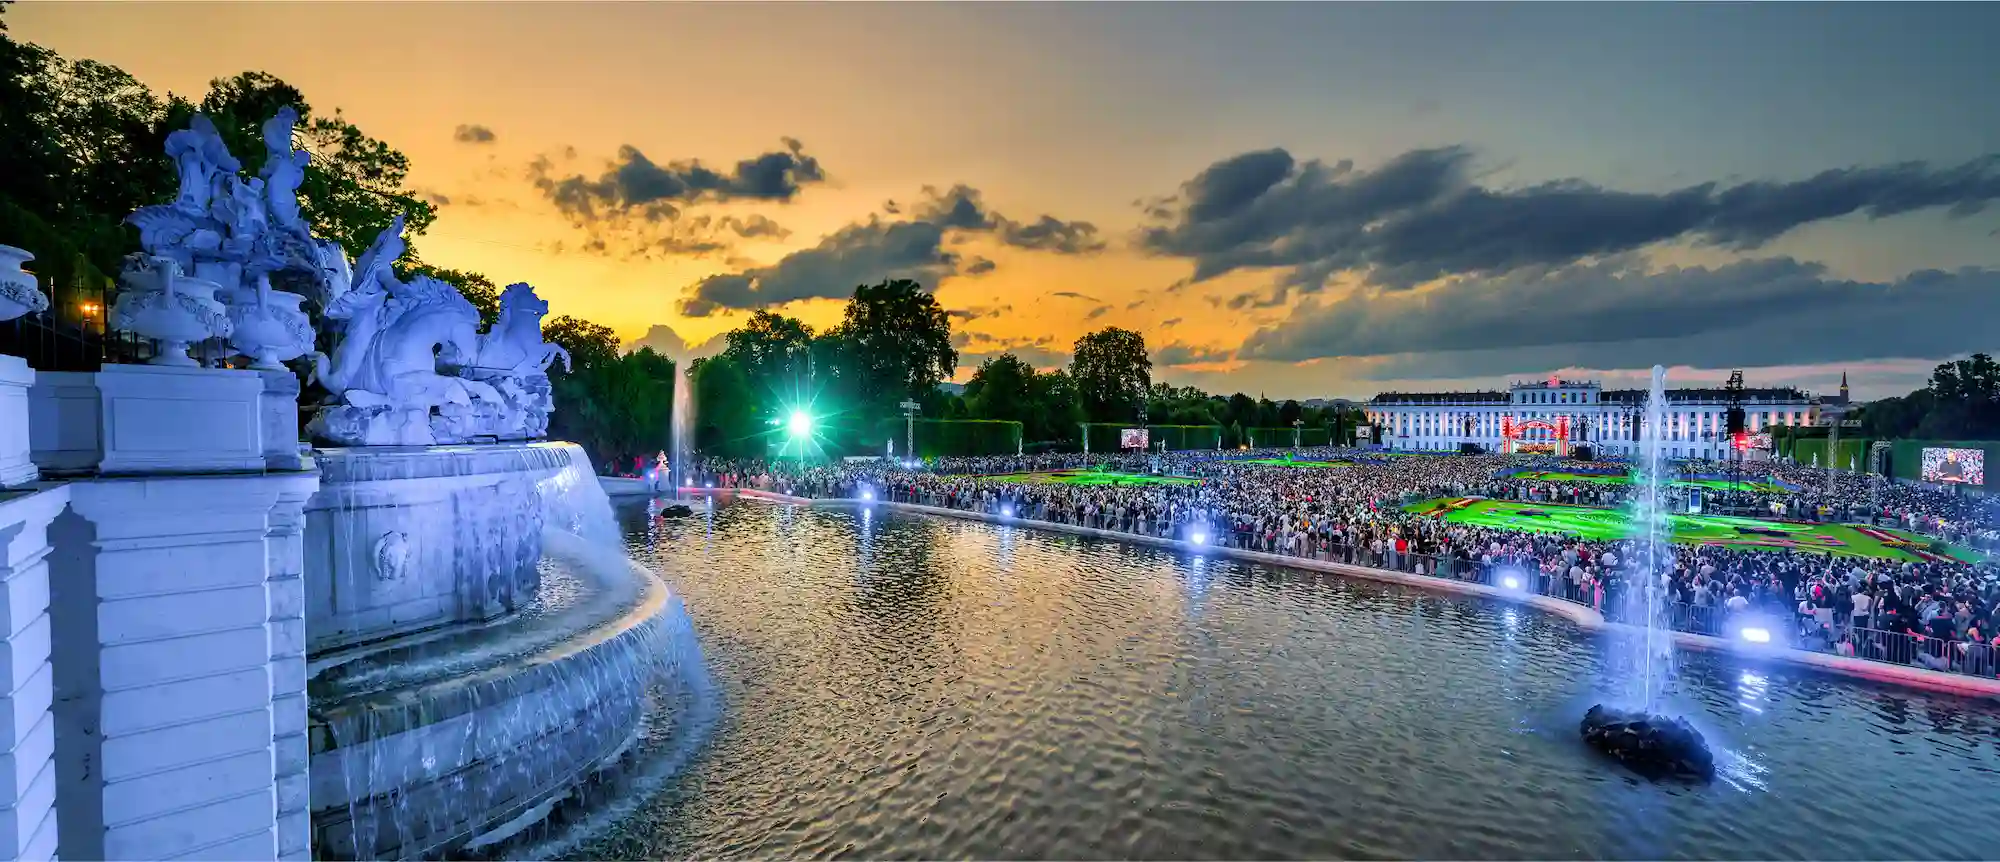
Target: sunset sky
(1299, 200)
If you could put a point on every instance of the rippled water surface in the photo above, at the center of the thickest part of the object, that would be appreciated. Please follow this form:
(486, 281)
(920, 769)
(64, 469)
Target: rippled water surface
(902, 686)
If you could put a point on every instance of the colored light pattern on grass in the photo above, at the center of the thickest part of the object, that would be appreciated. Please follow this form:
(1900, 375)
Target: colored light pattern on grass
(1093, 477)
(1282, 462)
(1721, 530)
(1614, 479)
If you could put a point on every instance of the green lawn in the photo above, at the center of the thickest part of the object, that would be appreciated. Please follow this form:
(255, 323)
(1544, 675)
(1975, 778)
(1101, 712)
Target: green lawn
(1723, 530)
(1286, 462)
(1093, 477)
(1716, 484)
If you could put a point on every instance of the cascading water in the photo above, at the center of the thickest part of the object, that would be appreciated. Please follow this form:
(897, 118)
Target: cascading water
(463, 742)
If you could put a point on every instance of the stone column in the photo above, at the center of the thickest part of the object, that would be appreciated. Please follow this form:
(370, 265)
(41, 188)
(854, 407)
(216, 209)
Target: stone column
(27, 727)
(284, 543)
(178, 732)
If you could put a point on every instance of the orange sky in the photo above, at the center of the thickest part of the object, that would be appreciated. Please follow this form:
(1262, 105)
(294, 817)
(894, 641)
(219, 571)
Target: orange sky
(1073, 112)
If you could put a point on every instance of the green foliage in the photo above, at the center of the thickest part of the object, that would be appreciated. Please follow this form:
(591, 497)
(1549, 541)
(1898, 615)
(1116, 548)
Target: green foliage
(1113, 373)
(725, 413)
(1282, 437)
(943, 438)
(897, 342)
(1962, 402)
(589, 344)
(353, 186)
(619, 409)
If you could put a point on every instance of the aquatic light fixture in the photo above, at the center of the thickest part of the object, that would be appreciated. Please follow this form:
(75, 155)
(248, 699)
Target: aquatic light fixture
(868, 493)
(1199, 538)
(1755, 635)
(1511, 582)
(1006, 511)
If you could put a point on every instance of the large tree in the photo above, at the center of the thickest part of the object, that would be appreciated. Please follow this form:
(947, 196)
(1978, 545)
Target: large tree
(775, 353)
(589, 344)
(1002, 388)
(1112, 374)
(897, 341)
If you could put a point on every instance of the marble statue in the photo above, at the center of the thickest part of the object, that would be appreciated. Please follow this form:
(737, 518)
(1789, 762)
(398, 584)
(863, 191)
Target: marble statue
(513, 359)
(384, 369)
(227, 237)
(19, 294)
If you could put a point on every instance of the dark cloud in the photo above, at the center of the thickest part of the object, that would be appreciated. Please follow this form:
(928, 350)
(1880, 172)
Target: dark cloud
(1037, 355)
(1615, 313)
(977, 312)
(1097, 312)
(1423, 215)
(1172, 321)
(1071, 294)
(435, 198)
(910, 247)
(472, 133)
(960, 208)
(634, 186)
(1183, 354)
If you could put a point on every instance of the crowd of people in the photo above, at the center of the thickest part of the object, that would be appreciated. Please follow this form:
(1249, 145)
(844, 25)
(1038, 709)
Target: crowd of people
(1938, 612)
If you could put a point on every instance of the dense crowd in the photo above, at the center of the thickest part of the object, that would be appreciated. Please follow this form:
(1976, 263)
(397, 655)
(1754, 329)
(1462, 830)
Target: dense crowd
(1940, 613)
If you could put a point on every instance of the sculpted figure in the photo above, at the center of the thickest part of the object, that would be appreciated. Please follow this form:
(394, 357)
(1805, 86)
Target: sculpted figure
(514, 345)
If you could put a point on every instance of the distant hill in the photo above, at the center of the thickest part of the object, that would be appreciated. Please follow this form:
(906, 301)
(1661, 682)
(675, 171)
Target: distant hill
(952, 388)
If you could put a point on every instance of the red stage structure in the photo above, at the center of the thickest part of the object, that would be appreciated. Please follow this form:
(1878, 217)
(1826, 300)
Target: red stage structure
(1511, 433)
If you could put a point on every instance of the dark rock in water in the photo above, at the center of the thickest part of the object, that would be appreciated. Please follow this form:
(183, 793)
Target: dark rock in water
(1654, 746)
(676, 510)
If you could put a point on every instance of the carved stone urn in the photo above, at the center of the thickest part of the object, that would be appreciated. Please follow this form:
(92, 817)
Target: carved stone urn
(19, 293)
(268, 326)
(160, 303)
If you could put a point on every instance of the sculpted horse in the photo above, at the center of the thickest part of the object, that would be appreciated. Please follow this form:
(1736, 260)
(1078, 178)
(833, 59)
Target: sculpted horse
(391, 333)
(514, 345)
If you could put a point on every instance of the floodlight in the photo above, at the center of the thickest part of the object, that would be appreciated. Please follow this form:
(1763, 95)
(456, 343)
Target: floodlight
(800, 423)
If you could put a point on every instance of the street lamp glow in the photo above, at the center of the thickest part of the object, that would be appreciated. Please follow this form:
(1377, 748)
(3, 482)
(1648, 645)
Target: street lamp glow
(800, 423)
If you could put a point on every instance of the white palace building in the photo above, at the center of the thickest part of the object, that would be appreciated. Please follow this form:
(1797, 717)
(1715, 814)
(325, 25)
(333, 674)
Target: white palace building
(1554, 415)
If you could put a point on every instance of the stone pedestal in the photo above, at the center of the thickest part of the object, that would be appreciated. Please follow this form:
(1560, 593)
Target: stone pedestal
(179, 667)
(169, 419)
(65, 424)
(16, 378)
(278, 418)
(28, 822)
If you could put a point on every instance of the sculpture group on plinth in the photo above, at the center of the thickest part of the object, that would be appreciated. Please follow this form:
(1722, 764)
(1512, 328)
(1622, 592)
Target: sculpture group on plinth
(408, 365)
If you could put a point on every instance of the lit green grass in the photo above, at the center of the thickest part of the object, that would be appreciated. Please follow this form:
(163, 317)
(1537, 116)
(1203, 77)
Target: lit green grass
(1093, 478)
(1595, 478)
(1727, 531)
(1284, 462)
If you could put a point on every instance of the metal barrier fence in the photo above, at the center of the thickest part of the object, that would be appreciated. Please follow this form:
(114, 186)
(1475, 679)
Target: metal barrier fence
(1788, 629)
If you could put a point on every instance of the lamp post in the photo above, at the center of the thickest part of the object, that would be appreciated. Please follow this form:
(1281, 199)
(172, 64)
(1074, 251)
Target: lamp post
(910, 409)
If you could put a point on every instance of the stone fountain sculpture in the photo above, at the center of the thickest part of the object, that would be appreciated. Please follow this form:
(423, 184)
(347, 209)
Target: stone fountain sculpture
(384, 369)
(513, 359)
(211, 253)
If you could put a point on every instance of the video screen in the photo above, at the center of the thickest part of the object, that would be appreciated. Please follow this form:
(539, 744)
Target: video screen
(1954, 466)
(1363, 432)
(1132, 438)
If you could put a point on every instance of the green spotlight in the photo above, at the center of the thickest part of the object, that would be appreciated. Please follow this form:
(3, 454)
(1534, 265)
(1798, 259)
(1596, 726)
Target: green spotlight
(800, 424)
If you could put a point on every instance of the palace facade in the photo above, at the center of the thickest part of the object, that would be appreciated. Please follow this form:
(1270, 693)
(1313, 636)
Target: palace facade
(1556, 414)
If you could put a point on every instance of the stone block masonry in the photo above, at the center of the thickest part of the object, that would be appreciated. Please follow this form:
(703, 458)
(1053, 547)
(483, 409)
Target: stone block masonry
(28, 821)
(180, 710)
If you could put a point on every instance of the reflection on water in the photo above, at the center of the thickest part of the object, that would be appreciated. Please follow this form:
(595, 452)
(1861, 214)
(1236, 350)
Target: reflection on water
(913, 687)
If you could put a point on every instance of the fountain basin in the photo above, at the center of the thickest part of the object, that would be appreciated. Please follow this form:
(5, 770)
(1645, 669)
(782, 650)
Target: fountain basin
(406, 539)
(414, 755)
(1655, 746)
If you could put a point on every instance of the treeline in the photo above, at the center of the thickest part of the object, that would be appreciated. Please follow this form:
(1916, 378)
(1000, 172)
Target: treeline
(1962, 402)
(893, 345)
(83, 144)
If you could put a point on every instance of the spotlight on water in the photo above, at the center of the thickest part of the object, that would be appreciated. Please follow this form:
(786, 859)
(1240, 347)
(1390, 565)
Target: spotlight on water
(1006, 511)
(1755, 635)
(1199, 538)
(1512, 582)
(868, 493)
